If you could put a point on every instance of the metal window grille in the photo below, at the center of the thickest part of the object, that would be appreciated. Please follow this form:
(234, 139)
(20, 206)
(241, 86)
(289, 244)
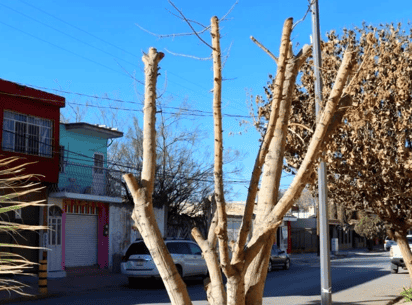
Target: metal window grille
(27, 134)
(98, 163)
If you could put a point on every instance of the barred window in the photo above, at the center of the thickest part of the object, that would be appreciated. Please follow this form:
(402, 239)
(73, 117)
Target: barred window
(27, 134)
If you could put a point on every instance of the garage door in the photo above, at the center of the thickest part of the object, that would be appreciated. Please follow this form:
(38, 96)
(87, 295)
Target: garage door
(81, 240)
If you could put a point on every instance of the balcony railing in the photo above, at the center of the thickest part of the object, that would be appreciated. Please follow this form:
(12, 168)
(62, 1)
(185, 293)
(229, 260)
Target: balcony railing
(85, 179)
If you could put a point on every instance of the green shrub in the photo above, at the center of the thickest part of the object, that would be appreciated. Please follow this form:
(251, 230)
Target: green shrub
(407, 294)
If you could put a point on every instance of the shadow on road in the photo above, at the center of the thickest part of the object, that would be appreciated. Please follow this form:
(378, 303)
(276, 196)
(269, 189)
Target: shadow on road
(155, 284)
(303, 282)
(389, 299)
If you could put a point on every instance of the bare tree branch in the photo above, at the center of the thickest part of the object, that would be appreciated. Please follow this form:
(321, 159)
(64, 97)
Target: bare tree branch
(205, 28)
(189, 56)
(228, 12)
(189, 24)
(160, 36)
(264, 49)
(307, 11)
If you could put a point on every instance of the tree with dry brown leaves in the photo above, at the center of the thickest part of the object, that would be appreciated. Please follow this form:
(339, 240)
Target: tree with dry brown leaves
(369, 158)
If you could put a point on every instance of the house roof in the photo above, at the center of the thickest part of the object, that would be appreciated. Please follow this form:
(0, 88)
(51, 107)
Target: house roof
(21, 91)
(237, 209)
(94, 130)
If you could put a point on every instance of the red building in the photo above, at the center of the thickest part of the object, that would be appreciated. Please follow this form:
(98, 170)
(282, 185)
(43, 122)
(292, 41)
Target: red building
(30, 130)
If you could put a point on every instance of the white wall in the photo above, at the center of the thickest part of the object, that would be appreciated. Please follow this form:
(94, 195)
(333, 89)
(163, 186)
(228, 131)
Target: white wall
(161, 219)
(120, 236)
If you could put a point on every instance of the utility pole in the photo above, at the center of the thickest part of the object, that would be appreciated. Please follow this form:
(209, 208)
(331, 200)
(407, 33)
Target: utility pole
(326, 287)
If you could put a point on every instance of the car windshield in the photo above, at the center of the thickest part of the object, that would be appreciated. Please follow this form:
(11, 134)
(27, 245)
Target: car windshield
(137, 248)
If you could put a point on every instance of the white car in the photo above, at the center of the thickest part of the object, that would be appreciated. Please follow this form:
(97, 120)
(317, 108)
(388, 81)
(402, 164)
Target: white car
(187, 256)
(396, 256)
(389, 243)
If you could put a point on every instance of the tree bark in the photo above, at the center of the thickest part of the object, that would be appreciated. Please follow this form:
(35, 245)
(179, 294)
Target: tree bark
(143, 213)
(264, 148)
(215, 290)
(221, 229)
(257, 271)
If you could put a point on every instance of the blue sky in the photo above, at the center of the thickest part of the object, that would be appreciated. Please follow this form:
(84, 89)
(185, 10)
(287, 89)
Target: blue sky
(90, 47)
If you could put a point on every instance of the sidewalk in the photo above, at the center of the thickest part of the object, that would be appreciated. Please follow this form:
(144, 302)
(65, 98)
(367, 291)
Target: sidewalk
(312, 257)
(77, 280)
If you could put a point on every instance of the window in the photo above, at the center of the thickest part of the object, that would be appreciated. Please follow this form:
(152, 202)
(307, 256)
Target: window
(195, 249)
(178, 248)
(27, 134)
(55, 225)
(98, 163)
(137, 248)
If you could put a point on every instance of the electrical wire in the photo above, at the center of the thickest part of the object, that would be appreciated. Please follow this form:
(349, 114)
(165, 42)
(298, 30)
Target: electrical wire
(186, 111)
(84, 31)
(122, 165)
(123, 50)
(64, 49)
(68, 35)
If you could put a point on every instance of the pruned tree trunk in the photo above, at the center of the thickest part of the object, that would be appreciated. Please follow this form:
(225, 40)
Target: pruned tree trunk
(221, 229)
(273, 165)
(214, 287)
(143, 213)
(246, 272)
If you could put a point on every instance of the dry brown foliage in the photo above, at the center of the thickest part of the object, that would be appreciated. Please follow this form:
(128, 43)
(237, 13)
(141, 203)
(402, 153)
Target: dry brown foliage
(369, 160)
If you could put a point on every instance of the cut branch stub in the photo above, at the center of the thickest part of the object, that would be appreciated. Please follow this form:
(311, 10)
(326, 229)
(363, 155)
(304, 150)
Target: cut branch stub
(257, 170)
(221, 228)
(151, 61)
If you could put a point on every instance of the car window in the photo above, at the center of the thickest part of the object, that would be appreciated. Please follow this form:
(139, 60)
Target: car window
(195, 249)
(274, 250)
(178, 248)
(409, 240)
(137, 248)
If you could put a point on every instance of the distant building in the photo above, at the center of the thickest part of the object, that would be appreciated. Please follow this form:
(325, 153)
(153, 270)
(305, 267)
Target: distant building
(235, 212)
(85, 208)
(30, 131)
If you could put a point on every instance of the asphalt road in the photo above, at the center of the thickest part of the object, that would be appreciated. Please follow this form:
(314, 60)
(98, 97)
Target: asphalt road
(364, 279)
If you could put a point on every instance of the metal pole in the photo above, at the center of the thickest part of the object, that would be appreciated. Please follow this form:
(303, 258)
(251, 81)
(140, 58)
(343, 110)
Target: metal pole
(326, 287)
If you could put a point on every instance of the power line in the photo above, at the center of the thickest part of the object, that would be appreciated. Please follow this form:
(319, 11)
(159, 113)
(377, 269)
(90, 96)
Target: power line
(64, 49)
(186, 111)
(84, 31)
(68, 35)
(109, 43)
(118, 164)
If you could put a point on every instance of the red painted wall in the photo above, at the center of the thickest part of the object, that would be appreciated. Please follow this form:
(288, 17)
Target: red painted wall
(25, 100)
(289, 249)
(103, 241)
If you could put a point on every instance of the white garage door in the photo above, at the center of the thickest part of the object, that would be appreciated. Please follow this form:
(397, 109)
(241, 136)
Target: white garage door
(81, 240)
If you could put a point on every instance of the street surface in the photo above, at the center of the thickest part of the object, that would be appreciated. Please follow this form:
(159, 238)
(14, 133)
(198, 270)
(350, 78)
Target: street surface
(364, 279)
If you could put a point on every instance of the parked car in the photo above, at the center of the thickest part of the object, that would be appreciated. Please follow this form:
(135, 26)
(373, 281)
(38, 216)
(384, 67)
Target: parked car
(187, 256)
(389, 243)
(396, 256)
(278, 258)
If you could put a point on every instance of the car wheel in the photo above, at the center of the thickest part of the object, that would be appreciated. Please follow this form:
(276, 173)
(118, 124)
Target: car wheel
(180, 271)
(270, 266)
(287, 264)
(394, 268)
